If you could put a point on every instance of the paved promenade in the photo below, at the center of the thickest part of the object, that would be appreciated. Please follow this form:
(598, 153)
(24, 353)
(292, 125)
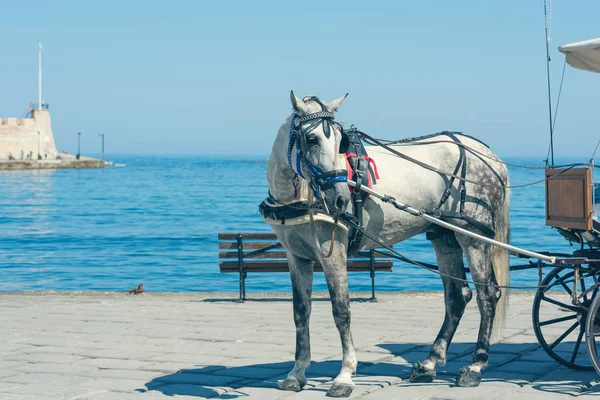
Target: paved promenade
(112, 346)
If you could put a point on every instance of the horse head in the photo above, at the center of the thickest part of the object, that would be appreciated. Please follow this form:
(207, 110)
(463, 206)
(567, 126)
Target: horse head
(315, 144)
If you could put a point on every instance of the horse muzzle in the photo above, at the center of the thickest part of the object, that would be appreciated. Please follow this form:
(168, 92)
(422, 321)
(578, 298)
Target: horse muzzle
(337, 198)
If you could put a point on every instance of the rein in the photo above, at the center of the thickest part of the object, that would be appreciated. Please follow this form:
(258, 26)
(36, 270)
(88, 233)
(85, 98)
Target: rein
(453, 175)
(399, 256)
(529, 254)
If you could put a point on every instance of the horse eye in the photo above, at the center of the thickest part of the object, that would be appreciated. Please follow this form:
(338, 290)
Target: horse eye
(312, 140)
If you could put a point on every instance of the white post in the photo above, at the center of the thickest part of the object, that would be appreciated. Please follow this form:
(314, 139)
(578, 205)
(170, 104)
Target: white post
(40, 76)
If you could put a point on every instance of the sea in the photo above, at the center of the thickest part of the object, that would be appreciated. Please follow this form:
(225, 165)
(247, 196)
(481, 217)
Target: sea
(155, 219)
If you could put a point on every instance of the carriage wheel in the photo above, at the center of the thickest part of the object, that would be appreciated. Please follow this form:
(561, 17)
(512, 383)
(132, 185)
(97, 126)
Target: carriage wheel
(558, 324)
(592, 328)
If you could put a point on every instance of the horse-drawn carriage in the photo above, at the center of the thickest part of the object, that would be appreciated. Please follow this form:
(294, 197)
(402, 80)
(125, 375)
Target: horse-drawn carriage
(455, 189)
(566, 307)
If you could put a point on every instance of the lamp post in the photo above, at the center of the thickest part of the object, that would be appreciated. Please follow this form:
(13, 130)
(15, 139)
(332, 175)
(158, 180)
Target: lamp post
(102, 135)
(78, 145)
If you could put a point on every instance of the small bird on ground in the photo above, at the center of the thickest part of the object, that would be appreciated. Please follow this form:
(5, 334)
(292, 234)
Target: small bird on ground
(137, 290)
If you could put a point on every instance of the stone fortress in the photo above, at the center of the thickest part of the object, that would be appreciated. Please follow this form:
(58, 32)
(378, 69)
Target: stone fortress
(33, 135)
(28, 143)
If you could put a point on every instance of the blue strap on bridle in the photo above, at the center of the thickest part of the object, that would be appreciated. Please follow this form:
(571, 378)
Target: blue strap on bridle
(299, 157)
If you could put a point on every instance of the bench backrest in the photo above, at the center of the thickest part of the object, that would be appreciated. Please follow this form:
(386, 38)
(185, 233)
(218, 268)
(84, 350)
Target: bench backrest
(262, 252)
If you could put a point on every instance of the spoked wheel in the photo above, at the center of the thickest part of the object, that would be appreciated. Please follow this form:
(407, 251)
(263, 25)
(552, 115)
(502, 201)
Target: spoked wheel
(592, 329)
(558, 324)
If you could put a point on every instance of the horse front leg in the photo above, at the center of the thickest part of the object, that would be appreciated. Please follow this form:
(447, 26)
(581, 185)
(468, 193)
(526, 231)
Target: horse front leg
(301, 272)
(337, 283)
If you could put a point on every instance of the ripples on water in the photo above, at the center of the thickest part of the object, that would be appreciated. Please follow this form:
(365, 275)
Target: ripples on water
(156, 220)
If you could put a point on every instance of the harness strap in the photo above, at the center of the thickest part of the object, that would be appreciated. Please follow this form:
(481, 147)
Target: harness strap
(372, 165)
(463, 174)
(471, 221)
(317, 115)
(360, 164)
(461, 162)
(461, 166)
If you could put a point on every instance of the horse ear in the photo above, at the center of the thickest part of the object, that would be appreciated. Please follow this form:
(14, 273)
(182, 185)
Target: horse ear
(298, 104)
(334, 105)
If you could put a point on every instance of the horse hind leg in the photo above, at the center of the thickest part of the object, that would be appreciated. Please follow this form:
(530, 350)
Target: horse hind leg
(301, 272)
(457, 294)
(479, 257)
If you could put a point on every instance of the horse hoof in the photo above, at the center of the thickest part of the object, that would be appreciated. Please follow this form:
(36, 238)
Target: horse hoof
(292, 384)
(340, 390)
(421, 375)
(468, 378)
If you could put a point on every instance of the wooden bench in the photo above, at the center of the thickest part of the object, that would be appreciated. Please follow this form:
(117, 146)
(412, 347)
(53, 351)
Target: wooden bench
(267, 255)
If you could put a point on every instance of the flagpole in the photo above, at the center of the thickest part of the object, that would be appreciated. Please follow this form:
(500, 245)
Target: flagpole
(40, 76)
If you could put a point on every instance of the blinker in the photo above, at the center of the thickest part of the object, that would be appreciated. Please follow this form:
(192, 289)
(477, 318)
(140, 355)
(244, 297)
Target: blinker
(344, 143)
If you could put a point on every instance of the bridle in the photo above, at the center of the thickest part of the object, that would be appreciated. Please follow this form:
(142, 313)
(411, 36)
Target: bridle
(318, 179)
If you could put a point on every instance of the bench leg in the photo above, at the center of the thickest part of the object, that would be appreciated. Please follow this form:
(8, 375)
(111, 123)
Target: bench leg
(373, 298)
(242, 289)
(240, 248)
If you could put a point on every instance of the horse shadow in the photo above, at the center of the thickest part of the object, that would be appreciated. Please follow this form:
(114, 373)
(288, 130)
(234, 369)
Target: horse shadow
(256, 380)
(209, 381)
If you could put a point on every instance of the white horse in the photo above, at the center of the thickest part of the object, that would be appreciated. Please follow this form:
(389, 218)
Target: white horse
(305, 159)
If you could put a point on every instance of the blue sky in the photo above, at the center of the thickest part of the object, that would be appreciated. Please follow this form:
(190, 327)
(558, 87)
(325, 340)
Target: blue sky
(198, 77)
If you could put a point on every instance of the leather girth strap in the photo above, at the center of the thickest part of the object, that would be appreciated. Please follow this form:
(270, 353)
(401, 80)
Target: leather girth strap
(282, 212)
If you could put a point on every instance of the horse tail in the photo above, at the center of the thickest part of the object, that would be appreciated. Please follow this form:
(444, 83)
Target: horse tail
(500, 259)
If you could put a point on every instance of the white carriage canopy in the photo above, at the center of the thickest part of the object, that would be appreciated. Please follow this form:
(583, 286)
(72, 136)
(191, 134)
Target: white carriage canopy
(583, 55)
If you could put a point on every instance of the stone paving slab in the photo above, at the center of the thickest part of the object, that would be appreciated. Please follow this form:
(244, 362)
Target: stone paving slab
(103, 346)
